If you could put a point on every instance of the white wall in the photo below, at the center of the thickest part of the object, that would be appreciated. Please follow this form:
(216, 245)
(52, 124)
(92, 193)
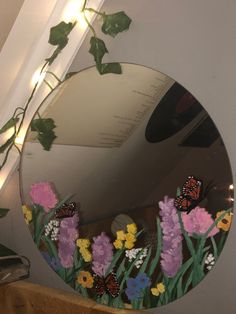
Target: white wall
(195, 43)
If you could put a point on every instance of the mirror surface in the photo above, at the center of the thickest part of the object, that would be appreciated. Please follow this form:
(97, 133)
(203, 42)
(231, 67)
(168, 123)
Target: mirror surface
(122, 143)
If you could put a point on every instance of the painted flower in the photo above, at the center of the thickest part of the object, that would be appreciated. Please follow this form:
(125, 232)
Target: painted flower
(102, 253)
(225, 222)
(143, 281)
(87, 256)
(132, 254)
(132, 228)
(42, 193)
(129, 245)
(120, 235)
(171, 256)
(67, 237)
(132, 294)
(52, 229)
(198, 221)
(52, 261)
(27, 213)
(85, 279)
(159, 289)
(126, 240)
(83, 245)
(136, 285)
(118, 244)
(209, 261)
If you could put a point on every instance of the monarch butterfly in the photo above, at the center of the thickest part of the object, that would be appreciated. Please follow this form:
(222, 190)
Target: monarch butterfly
(66, 210)
(191, 194)
(108, 284)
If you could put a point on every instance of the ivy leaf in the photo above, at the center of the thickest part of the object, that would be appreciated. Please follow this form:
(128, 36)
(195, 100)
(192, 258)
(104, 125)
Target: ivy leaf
(3, 212)
(106, 68)
(46, 140)
(98, 49)
(10, 123)
(59, 34)
(116, 23)
(59, 37)
(44, 128)
(8, 143)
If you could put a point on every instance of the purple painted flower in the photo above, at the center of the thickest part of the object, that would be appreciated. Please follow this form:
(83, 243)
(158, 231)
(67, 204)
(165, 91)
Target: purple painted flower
(68, 234)
(171, 256)
(198, 221)
(102, 252)
(52, 261)
(42, 193)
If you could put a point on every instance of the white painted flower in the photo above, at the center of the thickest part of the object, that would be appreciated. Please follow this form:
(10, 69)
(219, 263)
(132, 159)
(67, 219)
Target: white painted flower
(132, 254)
(210, 261)
(52, 230)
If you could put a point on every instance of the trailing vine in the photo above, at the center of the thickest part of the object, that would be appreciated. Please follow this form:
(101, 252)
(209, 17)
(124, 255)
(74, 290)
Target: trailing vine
(112, 25)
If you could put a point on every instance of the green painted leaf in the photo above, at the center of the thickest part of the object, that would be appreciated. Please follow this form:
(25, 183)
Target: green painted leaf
(106, 68)
(116, 23)
(8, 143)
(3, 212)
(98, 49)
(10, 123)
(44, 128)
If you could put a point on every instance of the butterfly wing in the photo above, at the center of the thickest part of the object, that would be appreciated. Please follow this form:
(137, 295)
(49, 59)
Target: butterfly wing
(182, 203)
(66, 211)
(99, 285)
(192, 188)
(112, 285)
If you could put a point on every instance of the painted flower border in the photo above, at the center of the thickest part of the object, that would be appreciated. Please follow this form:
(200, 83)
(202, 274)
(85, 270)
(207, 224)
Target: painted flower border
(140, 277)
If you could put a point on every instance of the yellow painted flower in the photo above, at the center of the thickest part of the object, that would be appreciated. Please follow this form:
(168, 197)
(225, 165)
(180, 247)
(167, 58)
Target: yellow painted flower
(159, 289)
(129, 245)
(118, 244)
(83, 243)
(132, 228)
(225, 222)
(120, 235)
(87, 256)
(85, 279)
(129, 237)
(27, 213)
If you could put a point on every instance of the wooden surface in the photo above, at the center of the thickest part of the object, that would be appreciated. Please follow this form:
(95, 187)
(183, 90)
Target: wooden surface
(27, 298)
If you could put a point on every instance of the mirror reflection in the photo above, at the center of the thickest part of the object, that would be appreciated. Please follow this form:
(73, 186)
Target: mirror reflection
(119, 145)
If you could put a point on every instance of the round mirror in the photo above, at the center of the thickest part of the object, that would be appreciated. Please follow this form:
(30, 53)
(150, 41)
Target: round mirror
(126, 187)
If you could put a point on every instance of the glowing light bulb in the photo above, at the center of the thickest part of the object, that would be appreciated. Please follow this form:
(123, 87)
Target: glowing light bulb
(232, 199)
(231, 187)
(71, 11)
(37, 77)
(2, 181)
(19, 140)
(81, 20)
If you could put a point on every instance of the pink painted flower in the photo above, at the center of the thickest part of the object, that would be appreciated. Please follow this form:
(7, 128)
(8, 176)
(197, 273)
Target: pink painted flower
(42, 193)
(198, 221)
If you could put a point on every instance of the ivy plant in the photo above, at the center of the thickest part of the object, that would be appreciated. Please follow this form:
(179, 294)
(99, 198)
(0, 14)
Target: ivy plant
(111, 25)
